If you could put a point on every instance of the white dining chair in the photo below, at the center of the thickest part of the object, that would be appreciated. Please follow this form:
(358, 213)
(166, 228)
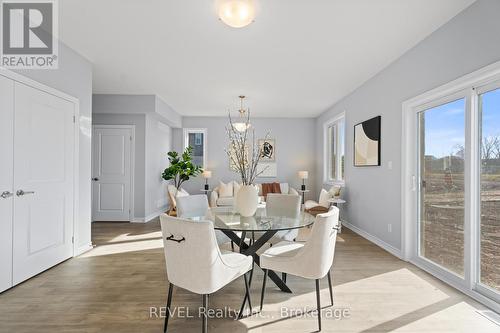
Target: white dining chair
(196, 206)
(311, 260)
(286, 205)
(195, 262)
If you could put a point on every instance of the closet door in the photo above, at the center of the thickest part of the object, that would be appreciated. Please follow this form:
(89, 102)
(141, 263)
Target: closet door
(43, 181)
(6, 182)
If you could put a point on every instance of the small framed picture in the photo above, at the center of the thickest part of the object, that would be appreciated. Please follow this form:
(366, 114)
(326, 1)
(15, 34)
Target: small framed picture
(267, 150)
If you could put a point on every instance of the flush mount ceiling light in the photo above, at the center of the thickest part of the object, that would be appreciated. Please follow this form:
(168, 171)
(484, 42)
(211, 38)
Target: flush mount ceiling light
(236, 13)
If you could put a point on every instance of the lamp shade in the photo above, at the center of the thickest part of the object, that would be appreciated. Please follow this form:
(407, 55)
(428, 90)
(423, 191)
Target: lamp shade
(207, 174)
(303, 174)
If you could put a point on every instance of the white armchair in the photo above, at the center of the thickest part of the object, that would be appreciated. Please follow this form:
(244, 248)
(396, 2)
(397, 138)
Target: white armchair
(311, 260)
(322, 205)
(195, 262)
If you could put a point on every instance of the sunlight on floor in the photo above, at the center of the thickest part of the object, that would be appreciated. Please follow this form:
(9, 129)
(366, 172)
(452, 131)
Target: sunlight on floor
(129, 237)
(393, 290)
(381, 303)
(132, 246)
(460, 317)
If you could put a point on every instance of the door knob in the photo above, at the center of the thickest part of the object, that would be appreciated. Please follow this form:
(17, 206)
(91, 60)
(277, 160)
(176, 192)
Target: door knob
(21, 192)
(6, 194)
(95, 179)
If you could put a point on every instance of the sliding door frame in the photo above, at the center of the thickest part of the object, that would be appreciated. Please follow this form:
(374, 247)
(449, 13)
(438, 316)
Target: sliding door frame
(478, 286)
(467, 87)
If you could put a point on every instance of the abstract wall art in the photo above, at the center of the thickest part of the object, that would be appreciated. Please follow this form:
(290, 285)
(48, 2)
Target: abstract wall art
(367, 142)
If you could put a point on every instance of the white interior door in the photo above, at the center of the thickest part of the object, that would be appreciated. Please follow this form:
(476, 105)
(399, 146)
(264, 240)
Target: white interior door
(6, 183)
(111, 173)
(43, 181)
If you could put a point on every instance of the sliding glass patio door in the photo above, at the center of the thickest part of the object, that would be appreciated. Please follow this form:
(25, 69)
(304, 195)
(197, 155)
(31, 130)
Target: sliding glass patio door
(489, 207)
(441, 201)
(452, 203)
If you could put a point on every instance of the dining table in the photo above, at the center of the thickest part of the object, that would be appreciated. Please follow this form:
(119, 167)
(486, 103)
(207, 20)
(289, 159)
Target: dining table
(253, 232)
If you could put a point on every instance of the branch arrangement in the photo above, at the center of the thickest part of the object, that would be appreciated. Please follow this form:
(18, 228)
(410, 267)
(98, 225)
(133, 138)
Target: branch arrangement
(244, 159)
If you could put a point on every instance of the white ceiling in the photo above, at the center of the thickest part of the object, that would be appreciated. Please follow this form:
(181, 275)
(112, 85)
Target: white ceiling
(298, 58)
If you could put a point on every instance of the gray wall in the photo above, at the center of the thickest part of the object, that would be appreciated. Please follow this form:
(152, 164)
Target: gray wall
(158, 144)
(468, 42)
(172, 118)
(123, 104)
(74, 77)
(139, 120)
(295, 148)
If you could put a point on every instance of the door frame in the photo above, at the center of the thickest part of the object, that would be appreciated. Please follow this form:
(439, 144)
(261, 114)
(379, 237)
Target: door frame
(76, 142)
(132, 165)
(409, 182)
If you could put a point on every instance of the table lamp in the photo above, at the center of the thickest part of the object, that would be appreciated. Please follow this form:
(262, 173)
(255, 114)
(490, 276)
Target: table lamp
(206, 174)
(303, 175)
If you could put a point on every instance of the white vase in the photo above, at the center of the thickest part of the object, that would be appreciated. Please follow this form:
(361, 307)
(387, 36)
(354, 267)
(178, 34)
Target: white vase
(246, 200)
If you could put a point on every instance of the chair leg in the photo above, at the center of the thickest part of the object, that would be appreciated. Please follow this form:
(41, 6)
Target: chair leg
(318, 304)
(263, 289)
(169, 301)
(204, 328)
(330, 286)
(283, 277)
(232, 246)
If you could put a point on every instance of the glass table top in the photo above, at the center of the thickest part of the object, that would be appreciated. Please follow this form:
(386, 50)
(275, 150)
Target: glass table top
(226, 218)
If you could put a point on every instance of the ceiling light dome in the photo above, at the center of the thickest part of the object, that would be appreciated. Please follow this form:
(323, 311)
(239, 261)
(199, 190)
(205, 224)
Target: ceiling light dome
(236, 13)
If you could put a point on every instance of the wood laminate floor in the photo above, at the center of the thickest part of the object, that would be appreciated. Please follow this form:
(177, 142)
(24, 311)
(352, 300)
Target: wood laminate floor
(113, 287)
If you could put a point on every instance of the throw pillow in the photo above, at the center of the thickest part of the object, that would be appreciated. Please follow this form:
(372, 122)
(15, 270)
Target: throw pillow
(335, 191)
(324, 195)
(225, 190)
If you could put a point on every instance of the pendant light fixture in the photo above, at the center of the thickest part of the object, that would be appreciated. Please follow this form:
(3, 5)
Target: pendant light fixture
(242, 125)
(236, 13)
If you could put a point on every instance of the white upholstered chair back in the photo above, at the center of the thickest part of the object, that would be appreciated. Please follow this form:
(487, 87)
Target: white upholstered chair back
(318, 252)
(192, 205)
(192, 255)
(287, 205)
(197, 206)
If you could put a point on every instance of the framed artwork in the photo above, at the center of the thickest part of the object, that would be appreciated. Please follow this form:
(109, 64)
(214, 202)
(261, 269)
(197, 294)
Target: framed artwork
(367, 142)
(268, 150)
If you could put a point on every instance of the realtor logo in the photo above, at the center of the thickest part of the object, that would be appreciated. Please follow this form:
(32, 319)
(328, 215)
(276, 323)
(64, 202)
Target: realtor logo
(29, 34)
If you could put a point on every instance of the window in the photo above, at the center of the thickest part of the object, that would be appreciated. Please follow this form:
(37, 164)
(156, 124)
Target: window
(197, 139)
(334, 133)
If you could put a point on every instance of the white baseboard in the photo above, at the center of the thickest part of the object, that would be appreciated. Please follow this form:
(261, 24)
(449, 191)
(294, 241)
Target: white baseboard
(377, 241)
(150, 216)
(82, 249)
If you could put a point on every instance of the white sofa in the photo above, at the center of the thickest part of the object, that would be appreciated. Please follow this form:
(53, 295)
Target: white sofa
(216, 200)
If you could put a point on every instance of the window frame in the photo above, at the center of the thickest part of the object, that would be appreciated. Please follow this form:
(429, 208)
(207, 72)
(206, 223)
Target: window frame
(339, 178)
(203, 131)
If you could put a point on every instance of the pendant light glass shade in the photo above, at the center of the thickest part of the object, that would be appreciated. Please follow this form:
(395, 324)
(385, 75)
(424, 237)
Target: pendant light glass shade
(236, 13)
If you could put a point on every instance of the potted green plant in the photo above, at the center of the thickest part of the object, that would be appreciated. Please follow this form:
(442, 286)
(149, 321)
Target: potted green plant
(180, 170)
(181, 167)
